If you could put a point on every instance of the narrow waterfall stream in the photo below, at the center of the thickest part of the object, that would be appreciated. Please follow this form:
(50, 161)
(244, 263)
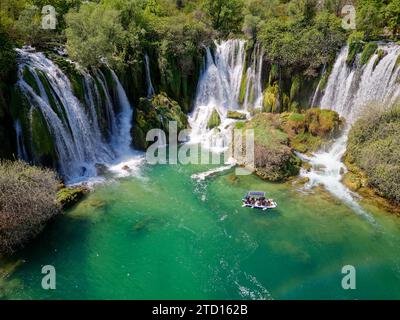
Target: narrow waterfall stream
(351, 91)
(219, 90)
(150, 88)
(81, 139)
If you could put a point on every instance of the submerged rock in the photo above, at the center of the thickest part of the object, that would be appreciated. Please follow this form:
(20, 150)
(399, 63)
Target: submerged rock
(126, 168)
(68, 197)
(96, 203)
(101, 169)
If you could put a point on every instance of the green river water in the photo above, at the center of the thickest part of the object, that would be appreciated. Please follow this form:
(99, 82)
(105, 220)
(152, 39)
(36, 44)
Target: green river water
(163, 235)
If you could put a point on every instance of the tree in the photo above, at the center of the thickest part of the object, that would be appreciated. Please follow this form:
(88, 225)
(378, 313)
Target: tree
(392, 16)
(292, 43)
(369, 17)
(94, 32)
(226, 15)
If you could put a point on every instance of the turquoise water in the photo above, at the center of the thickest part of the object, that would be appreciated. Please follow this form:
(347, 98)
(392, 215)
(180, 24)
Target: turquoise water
(163, 235)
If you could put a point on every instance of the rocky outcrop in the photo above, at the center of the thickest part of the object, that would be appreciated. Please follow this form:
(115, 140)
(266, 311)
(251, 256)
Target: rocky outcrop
(156, 113)
(68, 197)
(277, 136)
(372, 155)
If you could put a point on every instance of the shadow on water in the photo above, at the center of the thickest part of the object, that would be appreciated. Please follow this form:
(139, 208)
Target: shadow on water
(62, 245)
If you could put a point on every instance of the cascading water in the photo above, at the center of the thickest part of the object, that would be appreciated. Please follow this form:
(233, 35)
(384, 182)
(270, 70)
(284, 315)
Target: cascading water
(73, 125)
(150, 88)
(253, 96)
(21, 151)
(219, 90)
(350, 91)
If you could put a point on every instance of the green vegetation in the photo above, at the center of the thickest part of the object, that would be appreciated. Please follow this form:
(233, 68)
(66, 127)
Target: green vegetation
(374, 150)
(302, 40)
(27, 202)
(226, 16)
(214, 120)
(66, 198)
(273, 158)
(236, 115)
(42, 140)
(377, 18)
(156, 114)
(276, 136)
(368, 51)
(356, 44)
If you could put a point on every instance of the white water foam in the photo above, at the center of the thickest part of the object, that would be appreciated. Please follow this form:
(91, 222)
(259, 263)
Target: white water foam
(350, 91)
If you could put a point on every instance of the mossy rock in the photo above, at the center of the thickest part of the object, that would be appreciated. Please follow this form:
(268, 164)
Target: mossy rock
(273, 74)
(354, 49)
(236, 115)
(214, 121)
(42, 140)
(271, 98)
(368, 52)
(274, 158)
(30, 79)
(323, 123)
(68, 197)
(295, 87)
(381, 54)
(243, 85)
(73, 74)
(156, 113)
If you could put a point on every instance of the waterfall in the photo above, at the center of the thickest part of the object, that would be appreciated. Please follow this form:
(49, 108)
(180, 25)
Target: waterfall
(350, 91)
(150, 88)
(317, 93)
(254, 97)
(21, 150)
(219, 90)
(75, 126)
(123, 137)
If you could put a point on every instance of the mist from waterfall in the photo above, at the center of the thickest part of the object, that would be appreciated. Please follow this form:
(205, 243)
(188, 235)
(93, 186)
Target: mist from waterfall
(80, 141)
(219, 89)
(351, 91)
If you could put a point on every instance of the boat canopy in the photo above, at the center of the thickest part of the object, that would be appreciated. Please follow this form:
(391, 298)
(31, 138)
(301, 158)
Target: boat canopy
(257, 194)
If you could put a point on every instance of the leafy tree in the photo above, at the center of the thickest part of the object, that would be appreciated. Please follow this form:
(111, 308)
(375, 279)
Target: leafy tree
(392, 16)
(369, 17)
(226, 16)
(302, 44)
(94, 32)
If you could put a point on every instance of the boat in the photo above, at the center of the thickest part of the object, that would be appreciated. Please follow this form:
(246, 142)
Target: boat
(259, 201)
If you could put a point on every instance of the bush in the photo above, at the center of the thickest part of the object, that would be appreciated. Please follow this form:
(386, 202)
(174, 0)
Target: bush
(273, 157)
(374, 147)
(27, 202)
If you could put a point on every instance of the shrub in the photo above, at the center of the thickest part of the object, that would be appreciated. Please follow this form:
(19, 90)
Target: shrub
(374, 147)
(27, 202)
(273, 157)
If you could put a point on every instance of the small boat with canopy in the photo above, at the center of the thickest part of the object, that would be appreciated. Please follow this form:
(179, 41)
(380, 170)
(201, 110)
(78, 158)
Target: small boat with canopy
(257, 200)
